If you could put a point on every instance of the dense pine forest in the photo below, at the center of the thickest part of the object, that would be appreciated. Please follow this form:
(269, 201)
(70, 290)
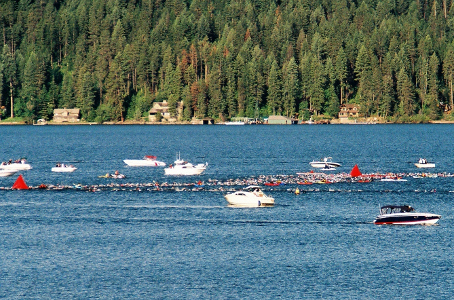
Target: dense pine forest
(223, 59)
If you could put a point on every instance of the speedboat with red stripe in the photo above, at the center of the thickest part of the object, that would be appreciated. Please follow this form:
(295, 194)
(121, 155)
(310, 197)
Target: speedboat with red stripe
(404, 215)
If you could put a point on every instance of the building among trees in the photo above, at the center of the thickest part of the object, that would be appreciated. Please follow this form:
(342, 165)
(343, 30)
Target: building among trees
(164, 111)
(281, 120)
(348, 111)
(65, 115)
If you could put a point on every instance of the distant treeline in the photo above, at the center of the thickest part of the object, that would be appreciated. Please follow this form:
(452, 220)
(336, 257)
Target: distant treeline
(223, 59)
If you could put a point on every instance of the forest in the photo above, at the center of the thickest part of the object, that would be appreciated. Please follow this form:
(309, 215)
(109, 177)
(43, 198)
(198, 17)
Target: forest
(227, 58)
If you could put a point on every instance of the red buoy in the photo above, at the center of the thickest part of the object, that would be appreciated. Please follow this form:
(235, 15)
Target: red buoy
(20, 184)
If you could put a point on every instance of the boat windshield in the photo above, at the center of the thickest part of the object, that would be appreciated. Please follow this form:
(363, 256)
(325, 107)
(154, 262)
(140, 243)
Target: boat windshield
(253, 188)
(394, 209)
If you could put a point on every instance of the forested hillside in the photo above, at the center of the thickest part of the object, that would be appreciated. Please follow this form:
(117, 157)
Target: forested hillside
(113, 58)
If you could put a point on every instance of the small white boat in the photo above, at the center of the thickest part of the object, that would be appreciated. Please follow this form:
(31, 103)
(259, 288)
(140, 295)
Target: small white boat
(181, 167)
(252, 196)
(6, 173)
(40, 122)
(20, 165)
(422, 163)
(327, 161)
(404, 215)
(64, 168)
(147, 161)
(234, 123)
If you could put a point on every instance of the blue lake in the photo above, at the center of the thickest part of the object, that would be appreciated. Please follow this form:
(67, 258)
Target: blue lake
(146, 244)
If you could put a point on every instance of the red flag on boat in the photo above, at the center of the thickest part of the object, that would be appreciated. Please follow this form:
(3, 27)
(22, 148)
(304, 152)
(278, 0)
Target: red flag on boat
(355, 172)
(20, 184)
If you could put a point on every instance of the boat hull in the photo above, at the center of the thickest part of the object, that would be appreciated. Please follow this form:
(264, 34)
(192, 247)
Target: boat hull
(247, 199)
(234, 123)
(185, 170)
(407, 219)
(427, 165)
(6, 173)
(64, 169)
(144, 163)
(17, 167)
(328, 169)
(393, 179)
(321, 164)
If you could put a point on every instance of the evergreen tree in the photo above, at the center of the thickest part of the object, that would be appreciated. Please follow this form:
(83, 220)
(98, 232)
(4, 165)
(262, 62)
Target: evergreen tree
(332, 108)
(448, 71)
(306, 81)
(291, 88)
(423, 79)
(316, 87)
(9, 74)
(187, 102)
(202, 96)
(1, 87)
(27, 106)
(216, 100)
(433, 101)
(116, 89)
(405, 94)
(53, 98)
(85, 96)
(341, 70)
(67, 99)
(364, 77)
(174, 88)
(274, 89)
(386, 103)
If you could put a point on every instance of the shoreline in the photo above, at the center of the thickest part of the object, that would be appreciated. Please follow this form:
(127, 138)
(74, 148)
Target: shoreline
(192, 123)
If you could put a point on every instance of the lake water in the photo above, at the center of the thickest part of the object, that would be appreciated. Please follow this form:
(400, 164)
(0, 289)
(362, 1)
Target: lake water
(147, 244)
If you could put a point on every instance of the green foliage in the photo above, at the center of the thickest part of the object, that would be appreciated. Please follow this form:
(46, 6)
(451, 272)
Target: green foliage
(158, 117)
(139, 107)
(104, 113)
(226, 58)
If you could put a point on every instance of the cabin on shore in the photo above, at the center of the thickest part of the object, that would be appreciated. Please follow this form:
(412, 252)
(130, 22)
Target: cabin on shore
(66, 115)
(163, 109)
(281, 120)
(348, 111)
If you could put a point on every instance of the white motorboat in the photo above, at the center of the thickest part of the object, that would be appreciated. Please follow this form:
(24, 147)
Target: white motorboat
(181, 167)
(64, 168)
(323, 163)
(422, 163)
(6, 173)
(147, 161)
(252, 196)
(404, 215)
(19, 165)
